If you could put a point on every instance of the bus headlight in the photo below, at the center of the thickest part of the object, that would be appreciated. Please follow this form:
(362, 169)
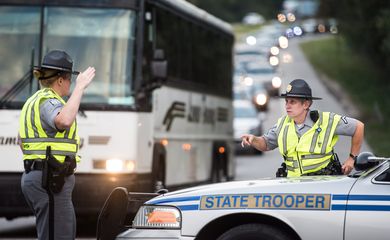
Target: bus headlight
(157, 217)
(118, 165)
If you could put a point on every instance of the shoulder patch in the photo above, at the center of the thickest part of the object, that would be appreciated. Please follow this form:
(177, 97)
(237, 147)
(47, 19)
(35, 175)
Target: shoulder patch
(344, 118)
(54, 102)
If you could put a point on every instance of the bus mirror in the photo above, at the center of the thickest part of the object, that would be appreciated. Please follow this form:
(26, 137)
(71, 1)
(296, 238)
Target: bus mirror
(159, 65)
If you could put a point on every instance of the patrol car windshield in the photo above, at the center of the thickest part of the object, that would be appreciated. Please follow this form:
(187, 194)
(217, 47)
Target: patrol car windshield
(102, 38)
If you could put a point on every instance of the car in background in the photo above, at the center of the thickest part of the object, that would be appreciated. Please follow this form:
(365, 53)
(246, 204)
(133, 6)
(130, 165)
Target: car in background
(273, 86)
(245, 53)
(264, 74)
(246, 120)
(312, 25)
(309, 25)
(245, 89)
(260, 97)
(253, 18)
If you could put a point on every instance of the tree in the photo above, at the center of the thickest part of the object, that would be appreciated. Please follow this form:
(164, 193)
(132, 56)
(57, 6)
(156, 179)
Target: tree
(365, 24)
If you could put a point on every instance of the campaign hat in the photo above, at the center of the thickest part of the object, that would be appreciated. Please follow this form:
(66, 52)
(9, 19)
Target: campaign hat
(298, 88)
(57, 60)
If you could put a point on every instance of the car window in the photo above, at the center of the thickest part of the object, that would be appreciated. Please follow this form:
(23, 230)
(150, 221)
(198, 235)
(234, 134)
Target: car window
(260, 70)
(248, 52)
(244, 112)
(384, 177)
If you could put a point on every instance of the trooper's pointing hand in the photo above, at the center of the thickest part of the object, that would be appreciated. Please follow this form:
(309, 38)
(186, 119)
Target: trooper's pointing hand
(247, 139)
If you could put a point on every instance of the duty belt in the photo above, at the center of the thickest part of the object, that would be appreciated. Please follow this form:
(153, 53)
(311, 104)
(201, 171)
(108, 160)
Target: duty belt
(32, 165)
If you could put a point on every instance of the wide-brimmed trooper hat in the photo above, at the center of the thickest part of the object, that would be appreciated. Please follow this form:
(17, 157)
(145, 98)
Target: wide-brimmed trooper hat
(57, 60)
(298, 88)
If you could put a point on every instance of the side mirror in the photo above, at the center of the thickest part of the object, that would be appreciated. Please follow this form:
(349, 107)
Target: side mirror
(112, 216)
(367, 160)
(159, 65)
(120, 208)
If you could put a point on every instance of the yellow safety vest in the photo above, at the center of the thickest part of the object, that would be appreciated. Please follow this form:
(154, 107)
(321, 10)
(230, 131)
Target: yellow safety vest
(34, 138)
(313, 150)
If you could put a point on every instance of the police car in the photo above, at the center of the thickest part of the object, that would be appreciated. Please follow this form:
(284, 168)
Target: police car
(316, 207)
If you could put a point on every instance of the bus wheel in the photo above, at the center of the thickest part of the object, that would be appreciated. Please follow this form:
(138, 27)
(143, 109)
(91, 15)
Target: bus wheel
(254, 231)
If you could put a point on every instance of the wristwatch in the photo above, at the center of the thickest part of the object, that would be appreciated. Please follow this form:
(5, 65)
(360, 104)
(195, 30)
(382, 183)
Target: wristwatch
(353, 156)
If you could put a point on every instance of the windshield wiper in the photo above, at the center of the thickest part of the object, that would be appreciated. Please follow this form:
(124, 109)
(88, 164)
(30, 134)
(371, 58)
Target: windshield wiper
(20, 84)
(16, 88)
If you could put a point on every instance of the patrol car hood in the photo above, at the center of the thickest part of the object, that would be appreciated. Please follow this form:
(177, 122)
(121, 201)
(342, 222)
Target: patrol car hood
(299, 185)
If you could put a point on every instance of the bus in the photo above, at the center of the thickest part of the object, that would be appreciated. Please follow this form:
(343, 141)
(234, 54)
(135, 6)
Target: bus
(159, 111)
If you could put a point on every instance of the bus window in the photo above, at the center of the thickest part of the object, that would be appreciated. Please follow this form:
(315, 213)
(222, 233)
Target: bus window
(103, 38)
(19, 37)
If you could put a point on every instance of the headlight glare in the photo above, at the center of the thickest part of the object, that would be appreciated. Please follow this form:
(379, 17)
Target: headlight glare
(261, 99)
(276, 82)
(149, 216)
(114, 165)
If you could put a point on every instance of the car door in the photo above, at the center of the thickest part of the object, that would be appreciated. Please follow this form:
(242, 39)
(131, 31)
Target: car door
(368, 206)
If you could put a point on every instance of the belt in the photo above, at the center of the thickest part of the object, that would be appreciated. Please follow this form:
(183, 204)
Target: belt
(31, 165)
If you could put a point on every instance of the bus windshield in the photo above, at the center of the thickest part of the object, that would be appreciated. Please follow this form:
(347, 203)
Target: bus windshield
(102, 38)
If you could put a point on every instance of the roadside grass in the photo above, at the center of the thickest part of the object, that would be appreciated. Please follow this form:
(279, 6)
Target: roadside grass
(363, 81)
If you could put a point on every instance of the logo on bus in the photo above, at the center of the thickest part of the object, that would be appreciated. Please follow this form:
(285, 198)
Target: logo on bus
(210, 115)
(8, 140)
(177, 110)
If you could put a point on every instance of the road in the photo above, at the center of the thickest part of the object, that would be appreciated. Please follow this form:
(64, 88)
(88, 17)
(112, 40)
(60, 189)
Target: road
(248, 167)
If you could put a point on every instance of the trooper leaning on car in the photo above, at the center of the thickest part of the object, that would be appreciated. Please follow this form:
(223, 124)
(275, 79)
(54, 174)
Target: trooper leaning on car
(306, 138)
(49, 142)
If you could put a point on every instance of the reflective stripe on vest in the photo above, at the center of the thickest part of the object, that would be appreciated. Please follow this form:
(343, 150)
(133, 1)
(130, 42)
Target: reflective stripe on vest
(34, 138)
(313, 150)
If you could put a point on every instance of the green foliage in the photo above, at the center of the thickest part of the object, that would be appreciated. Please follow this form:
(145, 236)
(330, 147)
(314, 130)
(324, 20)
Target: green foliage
(362, 80)
(235, 10)
(365, 24)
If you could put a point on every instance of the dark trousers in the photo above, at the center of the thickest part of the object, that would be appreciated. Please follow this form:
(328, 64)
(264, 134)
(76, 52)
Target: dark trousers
(64, 219)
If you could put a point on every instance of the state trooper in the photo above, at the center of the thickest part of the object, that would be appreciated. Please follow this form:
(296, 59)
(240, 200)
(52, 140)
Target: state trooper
(306, 138)
(49, 141)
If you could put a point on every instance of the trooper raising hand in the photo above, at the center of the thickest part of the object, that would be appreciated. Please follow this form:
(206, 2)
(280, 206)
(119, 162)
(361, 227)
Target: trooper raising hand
(48, 134)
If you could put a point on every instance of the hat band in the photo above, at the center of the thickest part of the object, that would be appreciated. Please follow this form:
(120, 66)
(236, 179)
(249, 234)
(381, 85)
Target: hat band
(298, 96)
(59, 68)
(56, 67)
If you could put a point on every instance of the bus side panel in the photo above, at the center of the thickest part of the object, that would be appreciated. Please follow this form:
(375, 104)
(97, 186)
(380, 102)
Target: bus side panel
(11, 155)
(190, 122)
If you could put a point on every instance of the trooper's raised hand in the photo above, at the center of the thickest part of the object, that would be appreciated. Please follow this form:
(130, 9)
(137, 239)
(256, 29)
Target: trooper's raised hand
(85, 78)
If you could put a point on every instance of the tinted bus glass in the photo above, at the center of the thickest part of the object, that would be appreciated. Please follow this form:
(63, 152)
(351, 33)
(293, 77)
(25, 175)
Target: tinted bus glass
(103, 38)
(19, 38)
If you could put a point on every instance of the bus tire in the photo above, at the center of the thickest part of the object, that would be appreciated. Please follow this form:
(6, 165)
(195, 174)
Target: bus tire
(254, 231)
(158, 167)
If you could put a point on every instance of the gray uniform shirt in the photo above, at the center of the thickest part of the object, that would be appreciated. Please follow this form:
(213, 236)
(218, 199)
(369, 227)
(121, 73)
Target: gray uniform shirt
(345, 127)
(49, 109)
